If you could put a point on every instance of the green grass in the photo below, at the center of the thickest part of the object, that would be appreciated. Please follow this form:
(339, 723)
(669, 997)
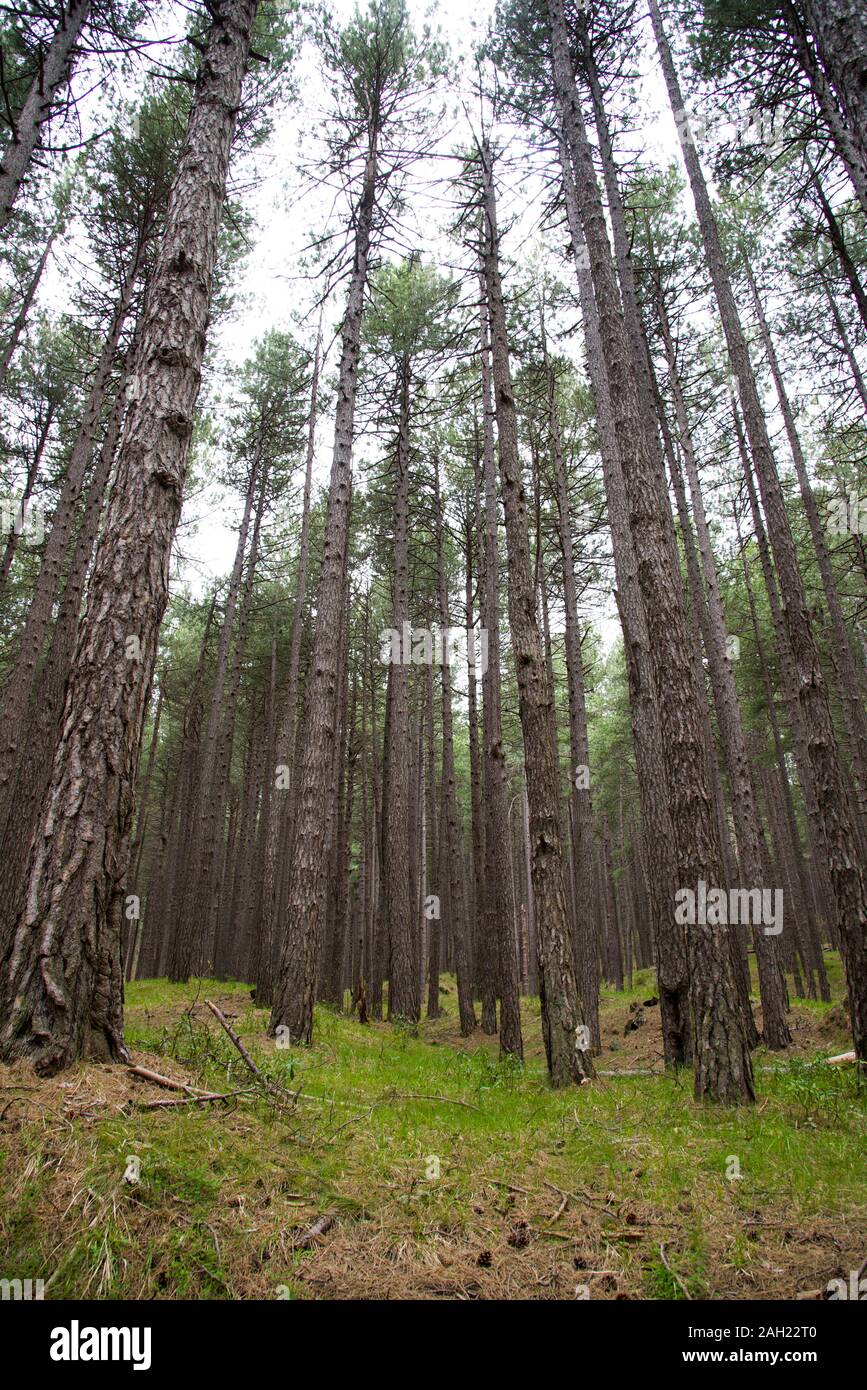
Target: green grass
(224, 1192)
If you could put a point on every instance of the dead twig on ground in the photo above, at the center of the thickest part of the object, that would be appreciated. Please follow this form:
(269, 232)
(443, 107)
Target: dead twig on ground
(319, 1228)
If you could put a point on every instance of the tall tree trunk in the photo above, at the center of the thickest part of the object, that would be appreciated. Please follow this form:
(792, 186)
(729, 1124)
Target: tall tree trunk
(451, 832)
(195, 904)
(477, 829)
(433, 852)
(838, 827)
(497, 949)
(281, 821)
(404, 1001)
(18, 690)
(752, 848)
(295, 988)
(579, 770)
(222, 772)
(32, 772)
(494, 904)
(566, 1036)
(263, 833)
(62, 982)
(55, 66)
(722, 1063)
(852, 677)
(669, 939)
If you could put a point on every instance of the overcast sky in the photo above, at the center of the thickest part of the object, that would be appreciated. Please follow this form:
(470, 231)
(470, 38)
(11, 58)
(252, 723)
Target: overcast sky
(271, 291)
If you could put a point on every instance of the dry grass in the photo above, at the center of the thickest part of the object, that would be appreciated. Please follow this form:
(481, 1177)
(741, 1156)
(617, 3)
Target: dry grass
(620, 1189)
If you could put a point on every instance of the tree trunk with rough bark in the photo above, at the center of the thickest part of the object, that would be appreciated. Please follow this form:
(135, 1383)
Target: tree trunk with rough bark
(295, 986)
(55, 67)
(662, 877)
(749, 833)
(586, 962)
(722, 1064)
(62, 981)
(451, 832)
(838, 827)
(281, 821)
(852, 677)
(566, 1035)
(404, 1001)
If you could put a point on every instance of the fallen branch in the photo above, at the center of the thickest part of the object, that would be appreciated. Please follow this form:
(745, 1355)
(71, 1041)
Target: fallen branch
(319, 1227)
(154, 1076)
(191, 1100)
(225, 1024)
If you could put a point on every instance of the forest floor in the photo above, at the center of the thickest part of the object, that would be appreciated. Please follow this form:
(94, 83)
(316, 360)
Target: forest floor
(433, 1169)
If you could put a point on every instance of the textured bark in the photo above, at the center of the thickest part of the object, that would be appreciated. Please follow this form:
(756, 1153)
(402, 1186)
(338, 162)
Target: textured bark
(193, 918)
(752, 848)
(650, 408)
(477, 829)
(662, 873)
(698, 623)
(838, 828)
(62, 981)
(839, 32)
(496, 898)
(722, 1063)
(281, 821)
(55, 66)
(566, 1051)
(586, 962)
(852, 677)
(403, 990)
(848, 141)
(296, 984)
(451, 832)
(17, 692)
(433, 850)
